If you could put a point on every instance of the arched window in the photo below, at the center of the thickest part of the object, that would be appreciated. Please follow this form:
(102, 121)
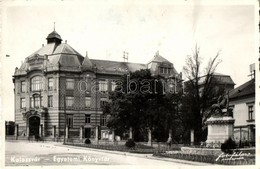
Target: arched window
(36, 83)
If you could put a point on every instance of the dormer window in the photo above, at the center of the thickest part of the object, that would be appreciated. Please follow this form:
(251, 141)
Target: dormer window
(165, 70)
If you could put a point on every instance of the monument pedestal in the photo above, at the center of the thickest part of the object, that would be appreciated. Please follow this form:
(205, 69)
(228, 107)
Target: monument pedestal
(219, 130)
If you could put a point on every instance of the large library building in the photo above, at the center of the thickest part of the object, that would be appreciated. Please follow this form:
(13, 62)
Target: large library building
(53, 96)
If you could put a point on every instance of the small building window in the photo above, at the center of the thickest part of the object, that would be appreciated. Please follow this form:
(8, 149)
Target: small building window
(70, 120)
(50, 101)
(113, 85)
(87, 101)
(70, 84)
(50, 83)
(36, 83)
(22, 103)
(250, 113)
(103, 85)
(23, 86)
(103, 120)
(69, 101)
(103, 102)
(87, 118)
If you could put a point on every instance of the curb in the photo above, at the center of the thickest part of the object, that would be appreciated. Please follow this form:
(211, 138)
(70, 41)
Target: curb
(142, 156)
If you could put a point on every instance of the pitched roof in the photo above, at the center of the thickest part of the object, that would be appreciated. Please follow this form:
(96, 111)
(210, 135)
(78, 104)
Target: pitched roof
(218, 78)
(61, 54)
(114, 66)
(159, 58)
(246, 89)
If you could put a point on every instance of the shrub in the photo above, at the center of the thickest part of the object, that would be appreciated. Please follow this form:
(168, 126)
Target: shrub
(130, 143)
(228, 146)
(87, 141)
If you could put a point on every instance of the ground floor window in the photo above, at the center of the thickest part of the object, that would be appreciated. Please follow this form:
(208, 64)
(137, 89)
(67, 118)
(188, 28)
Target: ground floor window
(103, 120)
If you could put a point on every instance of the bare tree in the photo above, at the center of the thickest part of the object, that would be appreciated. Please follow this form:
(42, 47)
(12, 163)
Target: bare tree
(198, 90)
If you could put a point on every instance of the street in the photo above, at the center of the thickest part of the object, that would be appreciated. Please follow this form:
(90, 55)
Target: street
(23, 153)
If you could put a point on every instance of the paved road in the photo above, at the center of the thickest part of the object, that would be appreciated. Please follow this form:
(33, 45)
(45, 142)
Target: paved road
(22, 153)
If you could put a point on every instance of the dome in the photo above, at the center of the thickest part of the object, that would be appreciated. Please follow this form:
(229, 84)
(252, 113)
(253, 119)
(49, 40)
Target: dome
(54, 37)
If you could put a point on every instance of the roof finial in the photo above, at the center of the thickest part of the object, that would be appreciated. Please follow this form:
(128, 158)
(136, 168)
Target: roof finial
(54, 26)
(157, 53)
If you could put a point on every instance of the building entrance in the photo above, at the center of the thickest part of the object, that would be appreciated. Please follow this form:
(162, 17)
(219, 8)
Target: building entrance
(87, 132)
(34, 124)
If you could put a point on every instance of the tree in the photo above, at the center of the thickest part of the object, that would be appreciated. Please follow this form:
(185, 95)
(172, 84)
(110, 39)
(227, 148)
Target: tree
(200, 92)
(141, 102)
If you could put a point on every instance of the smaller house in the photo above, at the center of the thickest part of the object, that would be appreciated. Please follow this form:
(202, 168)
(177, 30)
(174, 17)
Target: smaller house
(242, 99)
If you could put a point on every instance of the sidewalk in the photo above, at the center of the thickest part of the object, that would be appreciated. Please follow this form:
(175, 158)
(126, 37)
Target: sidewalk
(148, 156)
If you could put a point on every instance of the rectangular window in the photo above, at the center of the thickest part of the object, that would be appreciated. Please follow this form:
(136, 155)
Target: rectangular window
(161, 70)
(113, 85)
(87, 118)
(250, 113)
(37, 102)
(87, 101)
(70, 120)
(22, 102)
(103, 86)
(23, 86)
(103, 120)
(50, 83)
(50, 101)
(36, 83)
(70, 84)
(69, 101)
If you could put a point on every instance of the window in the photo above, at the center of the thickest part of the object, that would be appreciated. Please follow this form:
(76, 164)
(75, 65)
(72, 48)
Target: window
(69, 83)
(103, 120)
(69, 101)
(87, 101)
(250, 112)
(103, 86)
(70, 120)
(113, 85)
(87, 118)
(36, 83)
(50, 83)
(103, 102)
(50, 101)
(22, 102)
(23, 86)
(36, 101)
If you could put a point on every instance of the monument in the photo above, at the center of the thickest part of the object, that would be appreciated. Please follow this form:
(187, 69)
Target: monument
(220, 123)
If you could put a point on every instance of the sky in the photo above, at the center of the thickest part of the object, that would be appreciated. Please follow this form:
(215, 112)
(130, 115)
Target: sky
(104, 29)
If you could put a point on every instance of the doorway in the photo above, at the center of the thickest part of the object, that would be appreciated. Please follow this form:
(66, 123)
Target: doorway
(87, 132)
(34, 124)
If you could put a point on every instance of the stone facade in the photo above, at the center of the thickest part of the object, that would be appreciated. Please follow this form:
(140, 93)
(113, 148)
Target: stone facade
(56, 81)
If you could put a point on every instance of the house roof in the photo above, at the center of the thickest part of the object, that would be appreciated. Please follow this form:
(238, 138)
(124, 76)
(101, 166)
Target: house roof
(114, 66)
(218, 78)
(246, 89)
(61, 54)
(159, 58)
